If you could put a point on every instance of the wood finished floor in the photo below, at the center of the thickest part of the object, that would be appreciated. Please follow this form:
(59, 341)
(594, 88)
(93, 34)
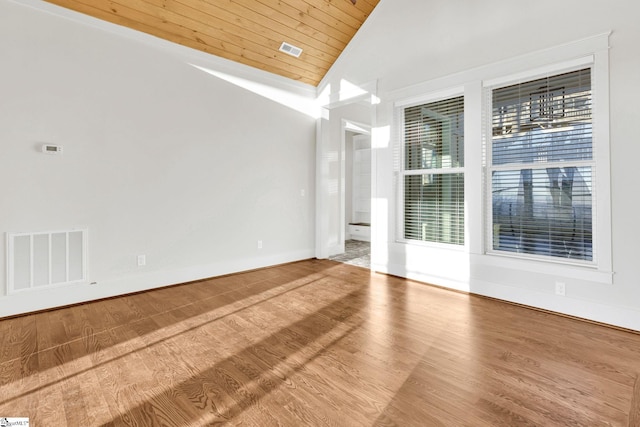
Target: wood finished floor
(314, 343)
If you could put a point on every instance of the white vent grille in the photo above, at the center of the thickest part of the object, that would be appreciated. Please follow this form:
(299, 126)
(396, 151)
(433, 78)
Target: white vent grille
(45, 259)
(290, 49)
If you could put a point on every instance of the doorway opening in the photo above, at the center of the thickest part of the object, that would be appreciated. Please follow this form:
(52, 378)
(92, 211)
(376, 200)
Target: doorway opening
(356, 203)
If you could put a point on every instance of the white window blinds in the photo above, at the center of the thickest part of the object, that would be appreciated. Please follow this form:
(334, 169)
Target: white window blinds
(542, 168)
(433, 175)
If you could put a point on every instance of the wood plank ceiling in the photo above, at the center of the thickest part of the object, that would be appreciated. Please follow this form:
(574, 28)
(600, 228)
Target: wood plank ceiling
(246, 31)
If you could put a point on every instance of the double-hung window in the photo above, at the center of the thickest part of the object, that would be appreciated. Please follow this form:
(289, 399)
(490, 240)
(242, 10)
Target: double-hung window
(432, 172)
(541, 168)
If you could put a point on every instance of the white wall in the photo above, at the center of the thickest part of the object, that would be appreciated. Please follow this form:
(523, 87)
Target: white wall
(159, 159)
(427, 47)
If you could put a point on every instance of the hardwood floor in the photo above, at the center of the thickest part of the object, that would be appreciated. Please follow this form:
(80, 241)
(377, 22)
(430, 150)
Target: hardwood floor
(314, 343)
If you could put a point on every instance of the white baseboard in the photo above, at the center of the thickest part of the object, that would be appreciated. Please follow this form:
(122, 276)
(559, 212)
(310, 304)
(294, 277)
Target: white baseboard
(30, 301)
(590, 310)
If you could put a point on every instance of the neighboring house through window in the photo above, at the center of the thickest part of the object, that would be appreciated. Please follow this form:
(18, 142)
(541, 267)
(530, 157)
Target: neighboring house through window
(541, 168)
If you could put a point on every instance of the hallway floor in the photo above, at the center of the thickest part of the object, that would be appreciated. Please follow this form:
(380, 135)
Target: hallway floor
(356, 253)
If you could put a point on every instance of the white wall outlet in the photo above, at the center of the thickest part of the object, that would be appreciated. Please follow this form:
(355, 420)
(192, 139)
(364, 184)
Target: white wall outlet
(142, 260)
(302, 192)
(560, 288)
(259, 244)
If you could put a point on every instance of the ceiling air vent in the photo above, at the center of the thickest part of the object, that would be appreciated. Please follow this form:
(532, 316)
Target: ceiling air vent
(290, 49)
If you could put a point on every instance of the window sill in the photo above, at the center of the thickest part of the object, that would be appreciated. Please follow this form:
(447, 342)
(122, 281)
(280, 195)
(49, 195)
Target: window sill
(589, 273)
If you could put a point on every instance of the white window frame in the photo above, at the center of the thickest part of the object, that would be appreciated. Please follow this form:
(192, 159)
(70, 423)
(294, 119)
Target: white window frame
(399, 108)
(598, 62)
(471, 84)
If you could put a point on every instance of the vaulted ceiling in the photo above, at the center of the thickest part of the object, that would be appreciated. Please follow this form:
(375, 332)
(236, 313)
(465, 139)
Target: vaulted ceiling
(246, 31)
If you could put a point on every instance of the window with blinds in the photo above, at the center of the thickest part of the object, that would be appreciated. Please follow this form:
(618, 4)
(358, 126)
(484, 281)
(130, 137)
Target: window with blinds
(541, 168)
(433, 175)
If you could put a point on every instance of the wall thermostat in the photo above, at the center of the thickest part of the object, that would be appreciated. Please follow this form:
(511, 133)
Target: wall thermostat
(51, 149)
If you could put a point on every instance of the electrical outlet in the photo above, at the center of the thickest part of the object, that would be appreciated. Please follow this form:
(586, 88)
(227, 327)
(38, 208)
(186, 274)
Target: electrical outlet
(560, 288)
(142, 260)
(259, 244)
